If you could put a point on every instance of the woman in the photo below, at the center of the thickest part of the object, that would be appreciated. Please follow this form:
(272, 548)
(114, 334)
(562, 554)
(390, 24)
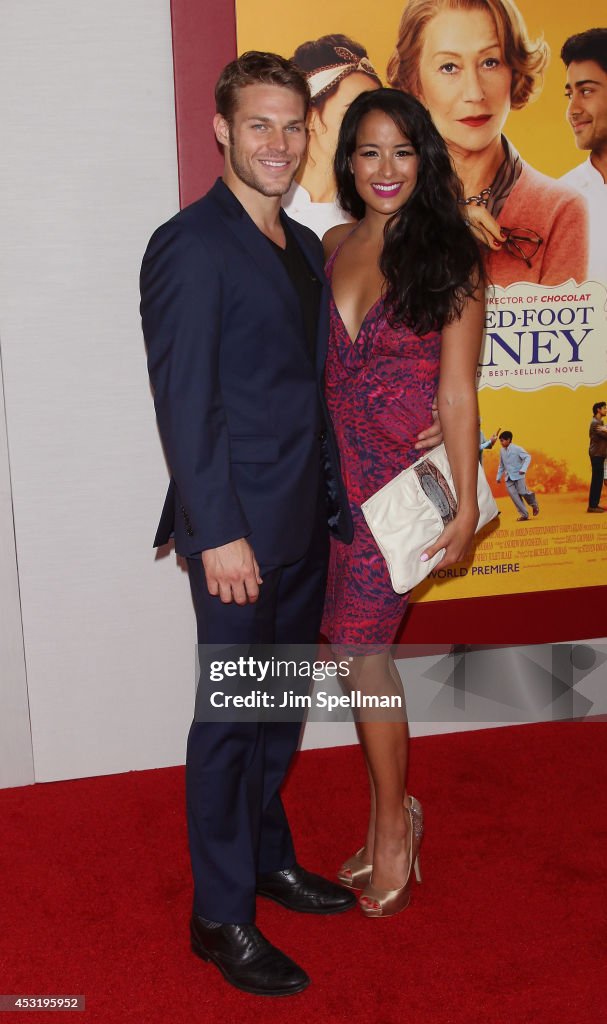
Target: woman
(407, 300)
(470, 62)
(337, 70)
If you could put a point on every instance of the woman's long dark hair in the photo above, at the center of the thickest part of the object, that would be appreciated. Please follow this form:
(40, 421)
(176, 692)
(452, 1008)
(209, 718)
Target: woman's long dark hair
(430, 261)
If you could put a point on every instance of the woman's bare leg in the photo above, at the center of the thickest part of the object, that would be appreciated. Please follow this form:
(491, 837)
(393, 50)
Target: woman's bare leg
(384, 736)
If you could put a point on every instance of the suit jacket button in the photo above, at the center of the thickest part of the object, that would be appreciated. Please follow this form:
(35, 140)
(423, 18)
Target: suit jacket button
(322, 435)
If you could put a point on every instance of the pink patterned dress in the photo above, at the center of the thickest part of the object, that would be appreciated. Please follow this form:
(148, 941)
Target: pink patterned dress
(379, 390)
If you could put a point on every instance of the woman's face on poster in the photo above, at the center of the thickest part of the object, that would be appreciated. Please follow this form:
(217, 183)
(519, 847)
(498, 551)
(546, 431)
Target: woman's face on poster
(324, 124)
(463, 79)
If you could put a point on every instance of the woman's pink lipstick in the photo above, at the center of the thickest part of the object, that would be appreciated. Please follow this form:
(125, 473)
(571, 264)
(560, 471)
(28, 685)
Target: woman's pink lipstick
(475, 122)
(387, 190)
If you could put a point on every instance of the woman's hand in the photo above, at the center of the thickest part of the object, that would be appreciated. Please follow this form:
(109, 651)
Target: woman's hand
(432, 435)
(484, 227)
(455, 538)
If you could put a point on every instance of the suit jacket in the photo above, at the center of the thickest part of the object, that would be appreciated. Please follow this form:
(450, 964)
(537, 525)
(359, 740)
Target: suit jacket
(514, 462)
(238, 396)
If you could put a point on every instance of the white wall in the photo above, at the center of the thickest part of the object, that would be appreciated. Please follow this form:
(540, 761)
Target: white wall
(88, 158)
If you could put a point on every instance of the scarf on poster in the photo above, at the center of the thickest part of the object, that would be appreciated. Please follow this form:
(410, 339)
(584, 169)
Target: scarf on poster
(508, 173)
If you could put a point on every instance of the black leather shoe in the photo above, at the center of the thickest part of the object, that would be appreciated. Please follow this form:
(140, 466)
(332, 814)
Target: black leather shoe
(301, 890)
(246, 959)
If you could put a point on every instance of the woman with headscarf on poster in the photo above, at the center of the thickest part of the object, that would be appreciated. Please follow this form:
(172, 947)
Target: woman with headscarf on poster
(406, 321)
(337, 70)
(470, 62)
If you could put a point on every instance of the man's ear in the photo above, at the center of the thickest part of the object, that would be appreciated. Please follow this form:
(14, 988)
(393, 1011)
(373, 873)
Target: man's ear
(222, 130)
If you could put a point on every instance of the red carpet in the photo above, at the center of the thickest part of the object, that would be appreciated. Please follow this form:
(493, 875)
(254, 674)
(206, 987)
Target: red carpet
(508, 926)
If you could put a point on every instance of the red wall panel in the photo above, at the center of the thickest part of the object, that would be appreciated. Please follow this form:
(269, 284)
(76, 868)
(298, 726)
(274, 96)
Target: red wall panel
(204, 40)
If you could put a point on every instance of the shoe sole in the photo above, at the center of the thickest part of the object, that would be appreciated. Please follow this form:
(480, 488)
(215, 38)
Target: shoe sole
(306, 910)
(198, 951)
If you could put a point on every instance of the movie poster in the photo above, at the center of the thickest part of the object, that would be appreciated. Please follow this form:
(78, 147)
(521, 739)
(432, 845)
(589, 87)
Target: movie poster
(544, 358)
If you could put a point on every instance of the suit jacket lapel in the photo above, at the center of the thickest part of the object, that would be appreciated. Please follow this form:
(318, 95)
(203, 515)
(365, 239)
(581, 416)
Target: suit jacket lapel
(259, 248)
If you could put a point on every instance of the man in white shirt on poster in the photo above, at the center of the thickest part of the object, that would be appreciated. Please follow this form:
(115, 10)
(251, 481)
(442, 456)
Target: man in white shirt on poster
(585, 57)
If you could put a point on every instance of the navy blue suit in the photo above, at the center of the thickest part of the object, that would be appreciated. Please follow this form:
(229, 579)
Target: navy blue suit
(248, 440)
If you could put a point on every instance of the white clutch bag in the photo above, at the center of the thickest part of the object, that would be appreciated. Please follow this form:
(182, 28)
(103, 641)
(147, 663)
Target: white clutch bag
(408, 514)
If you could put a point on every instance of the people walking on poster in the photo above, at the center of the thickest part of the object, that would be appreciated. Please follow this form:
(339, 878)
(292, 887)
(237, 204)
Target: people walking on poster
(485, 443)
(598, 454)
(514, 463)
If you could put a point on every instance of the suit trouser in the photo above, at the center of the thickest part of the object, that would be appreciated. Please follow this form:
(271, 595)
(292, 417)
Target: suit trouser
(237, 825)
(517, 489)
(596, 483)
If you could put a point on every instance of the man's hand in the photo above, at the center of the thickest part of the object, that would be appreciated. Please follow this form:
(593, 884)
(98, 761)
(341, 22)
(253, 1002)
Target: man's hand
(433, 435)
(232, 572)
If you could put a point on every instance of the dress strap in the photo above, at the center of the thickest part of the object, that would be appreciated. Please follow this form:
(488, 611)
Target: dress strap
(333, 256)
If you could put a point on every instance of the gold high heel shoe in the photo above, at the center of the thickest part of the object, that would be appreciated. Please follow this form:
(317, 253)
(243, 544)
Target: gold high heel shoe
(417, 821)
(391, 901)
(355, 872)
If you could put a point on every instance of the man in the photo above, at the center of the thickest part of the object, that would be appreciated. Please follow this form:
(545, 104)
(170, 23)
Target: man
(235, 317)
(597, 452)
(485, 443)
(585, 56)
(514, 463)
